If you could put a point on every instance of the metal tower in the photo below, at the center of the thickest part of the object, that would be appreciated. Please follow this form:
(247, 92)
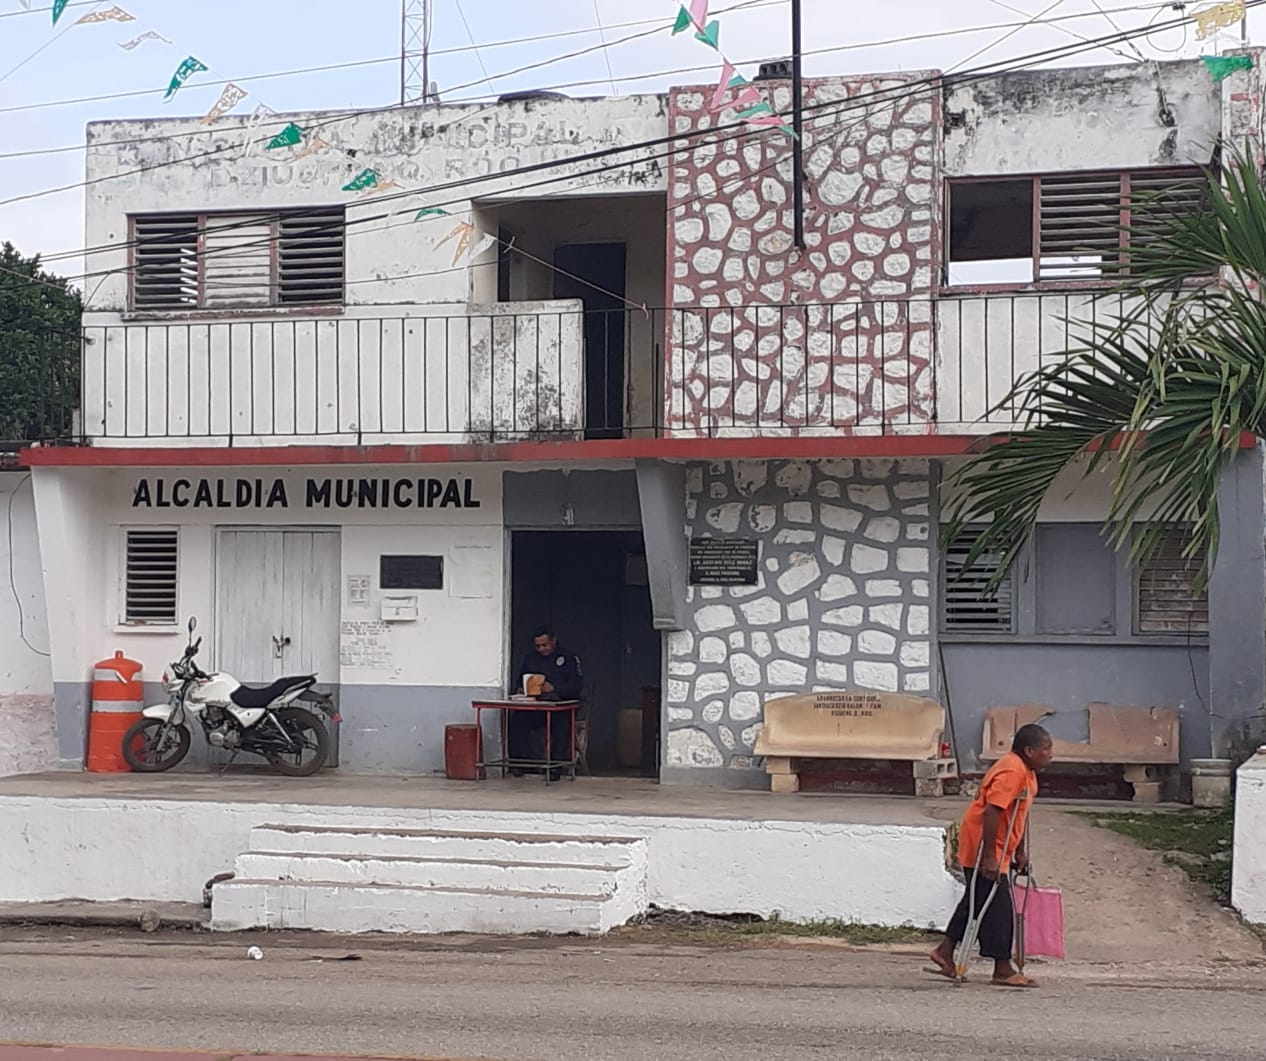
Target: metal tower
(415, 47)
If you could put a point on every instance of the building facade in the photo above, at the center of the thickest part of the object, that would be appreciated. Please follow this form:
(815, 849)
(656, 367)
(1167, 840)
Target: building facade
(562, 362)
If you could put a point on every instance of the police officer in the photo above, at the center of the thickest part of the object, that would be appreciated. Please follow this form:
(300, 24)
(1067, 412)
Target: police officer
(563, 679)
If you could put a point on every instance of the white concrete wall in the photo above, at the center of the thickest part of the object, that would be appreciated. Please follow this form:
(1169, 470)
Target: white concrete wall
(1086, 118)
(27, 732)
(391, 260)
(1248, 860)
(370, 376)
(457, 639)
(167, 850)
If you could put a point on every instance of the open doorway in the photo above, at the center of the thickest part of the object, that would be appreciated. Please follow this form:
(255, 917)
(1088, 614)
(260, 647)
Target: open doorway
(595, 274)
(591, 586)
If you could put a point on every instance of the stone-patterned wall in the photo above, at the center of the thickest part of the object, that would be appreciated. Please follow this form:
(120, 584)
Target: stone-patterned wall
(844, 599)
(771, 340)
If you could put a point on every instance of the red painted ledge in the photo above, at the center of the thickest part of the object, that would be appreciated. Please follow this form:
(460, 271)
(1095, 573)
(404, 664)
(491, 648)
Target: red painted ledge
(507, 452)
(623, 449)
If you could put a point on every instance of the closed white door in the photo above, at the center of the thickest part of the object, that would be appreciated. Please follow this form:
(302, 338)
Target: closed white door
(277, 604)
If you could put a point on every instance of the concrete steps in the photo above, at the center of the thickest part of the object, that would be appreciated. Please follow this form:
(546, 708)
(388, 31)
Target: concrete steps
(431, 881)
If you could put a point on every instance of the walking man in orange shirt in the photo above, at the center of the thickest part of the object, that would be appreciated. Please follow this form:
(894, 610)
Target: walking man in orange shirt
(992, 837)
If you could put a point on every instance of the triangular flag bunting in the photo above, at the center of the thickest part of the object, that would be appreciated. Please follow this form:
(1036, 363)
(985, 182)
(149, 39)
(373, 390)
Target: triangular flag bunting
(59, 6)
(683, 22)
(1223, 66)
(711, 35)
(290, 136)
(366, 178)
(430, 211)
(723, 86)
(760, 108)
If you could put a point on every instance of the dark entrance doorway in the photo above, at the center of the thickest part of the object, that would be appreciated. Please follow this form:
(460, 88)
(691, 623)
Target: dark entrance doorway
(591, 587)
(595, 274)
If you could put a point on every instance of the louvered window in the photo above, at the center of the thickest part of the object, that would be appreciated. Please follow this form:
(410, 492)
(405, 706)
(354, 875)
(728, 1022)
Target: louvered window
(310, 252)
(225, 261)
(1166, 601)
(151, 557)
(967, 605)
(165, 262)
(1065, 226)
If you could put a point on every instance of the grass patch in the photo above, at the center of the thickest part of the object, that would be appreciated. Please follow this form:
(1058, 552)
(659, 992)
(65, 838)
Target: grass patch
(669, 926)
(1198, 841)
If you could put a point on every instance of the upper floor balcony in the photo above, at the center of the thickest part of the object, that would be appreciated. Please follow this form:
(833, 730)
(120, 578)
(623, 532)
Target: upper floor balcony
(554, 370)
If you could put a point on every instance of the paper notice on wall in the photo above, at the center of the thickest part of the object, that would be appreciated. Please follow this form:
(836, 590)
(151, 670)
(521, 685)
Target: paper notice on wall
(472, 572)
(363, 644)
(358, 590)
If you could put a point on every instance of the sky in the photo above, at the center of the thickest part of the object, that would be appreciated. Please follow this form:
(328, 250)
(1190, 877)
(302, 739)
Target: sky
(46, 71)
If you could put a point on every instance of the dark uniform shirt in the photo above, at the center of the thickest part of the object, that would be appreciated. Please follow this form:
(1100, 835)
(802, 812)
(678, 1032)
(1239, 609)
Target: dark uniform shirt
(561, 669)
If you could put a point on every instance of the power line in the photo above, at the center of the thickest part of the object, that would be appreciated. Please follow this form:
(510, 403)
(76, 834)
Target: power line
(888, 96)
(602, 34)
(478, 54)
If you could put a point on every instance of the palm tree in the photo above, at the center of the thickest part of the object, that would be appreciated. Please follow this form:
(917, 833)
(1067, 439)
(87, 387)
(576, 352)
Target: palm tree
(1158, 398)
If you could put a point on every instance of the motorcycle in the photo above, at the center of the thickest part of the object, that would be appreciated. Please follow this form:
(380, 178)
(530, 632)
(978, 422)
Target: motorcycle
(261, 720)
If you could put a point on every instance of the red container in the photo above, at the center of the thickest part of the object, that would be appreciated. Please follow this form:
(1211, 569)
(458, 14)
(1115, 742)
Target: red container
(463, 748)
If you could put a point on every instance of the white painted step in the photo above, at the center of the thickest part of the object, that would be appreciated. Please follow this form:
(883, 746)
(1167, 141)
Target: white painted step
(335, 879)
(544, 877)
(326, 906)
(438, 843)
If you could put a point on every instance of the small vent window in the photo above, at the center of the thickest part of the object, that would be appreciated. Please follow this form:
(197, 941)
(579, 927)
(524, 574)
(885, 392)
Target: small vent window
(1166, 603)
(966, 607)
(165, 262)
(224, 261)
(310, 255)
(149, 590)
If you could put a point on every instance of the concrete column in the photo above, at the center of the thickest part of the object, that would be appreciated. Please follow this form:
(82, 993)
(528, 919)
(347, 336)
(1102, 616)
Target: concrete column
(1237, 604)
(661, 490)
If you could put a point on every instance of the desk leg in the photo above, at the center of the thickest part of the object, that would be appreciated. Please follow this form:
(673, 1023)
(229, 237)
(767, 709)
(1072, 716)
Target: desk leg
(505, 739)
(549, 746)
(572, 714)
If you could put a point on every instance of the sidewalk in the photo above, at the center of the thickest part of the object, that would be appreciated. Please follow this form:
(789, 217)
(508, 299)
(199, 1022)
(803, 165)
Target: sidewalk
(112, 1053)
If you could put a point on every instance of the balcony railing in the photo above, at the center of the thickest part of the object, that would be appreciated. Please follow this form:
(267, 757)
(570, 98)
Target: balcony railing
(502, 374)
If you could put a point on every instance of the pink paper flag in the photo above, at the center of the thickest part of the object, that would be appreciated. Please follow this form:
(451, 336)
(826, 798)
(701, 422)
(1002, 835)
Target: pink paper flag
(748, 96)
(723, 86)
(699, 13)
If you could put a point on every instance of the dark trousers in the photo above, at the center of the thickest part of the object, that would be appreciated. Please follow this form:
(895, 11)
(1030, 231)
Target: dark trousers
(997, 929)
(525, 734)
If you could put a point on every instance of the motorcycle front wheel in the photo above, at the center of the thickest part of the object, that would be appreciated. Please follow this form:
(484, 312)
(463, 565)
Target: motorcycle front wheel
(311, 740)
(151, 745)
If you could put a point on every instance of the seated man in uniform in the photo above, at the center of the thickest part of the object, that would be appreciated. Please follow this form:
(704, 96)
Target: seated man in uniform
(561, 670)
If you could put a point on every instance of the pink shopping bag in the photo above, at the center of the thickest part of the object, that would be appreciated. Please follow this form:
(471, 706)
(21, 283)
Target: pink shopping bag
(1040, 915)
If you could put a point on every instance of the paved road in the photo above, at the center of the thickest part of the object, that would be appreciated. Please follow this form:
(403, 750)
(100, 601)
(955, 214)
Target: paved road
(594, 1001)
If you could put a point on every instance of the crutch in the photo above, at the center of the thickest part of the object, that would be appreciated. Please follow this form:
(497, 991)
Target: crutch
(1020, 911)
(963, 956)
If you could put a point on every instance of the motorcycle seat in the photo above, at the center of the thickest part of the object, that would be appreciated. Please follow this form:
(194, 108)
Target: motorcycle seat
(252, 696)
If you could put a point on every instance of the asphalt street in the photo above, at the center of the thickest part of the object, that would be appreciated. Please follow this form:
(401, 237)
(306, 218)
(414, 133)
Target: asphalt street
(598, 1000)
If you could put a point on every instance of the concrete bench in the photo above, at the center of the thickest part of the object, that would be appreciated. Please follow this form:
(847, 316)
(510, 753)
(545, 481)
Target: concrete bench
(1143, 740)
(854, 725)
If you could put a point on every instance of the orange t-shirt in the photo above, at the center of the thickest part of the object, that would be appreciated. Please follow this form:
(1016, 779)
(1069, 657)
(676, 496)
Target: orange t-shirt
(1009, 784)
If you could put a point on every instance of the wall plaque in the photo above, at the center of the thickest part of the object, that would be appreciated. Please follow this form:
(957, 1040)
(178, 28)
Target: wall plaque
(724, 561)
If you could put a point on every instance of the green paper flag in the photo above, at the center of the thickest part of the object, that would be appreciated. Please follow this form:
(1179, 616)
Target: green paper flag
(290, 136)
(1223, 66)
(710, 35)
(752, 112)
(58, 7)
(183, 73)
(682, 24)
(431, 211)
(366, 178)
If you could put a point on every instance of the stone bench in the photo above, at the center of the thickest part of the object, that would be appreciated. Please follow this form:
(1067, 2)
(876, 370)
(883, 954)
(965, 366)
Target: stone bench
(1142, 740)
(854, 725)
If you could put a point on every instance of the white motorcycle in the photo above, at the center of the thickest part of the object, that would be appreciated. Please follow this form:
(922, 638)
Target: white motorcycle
(261, 720)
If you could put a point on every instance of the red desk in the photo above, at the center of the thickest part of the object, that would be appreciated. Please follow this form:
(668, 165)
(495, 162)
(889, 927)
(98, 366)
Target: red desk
(551, 708)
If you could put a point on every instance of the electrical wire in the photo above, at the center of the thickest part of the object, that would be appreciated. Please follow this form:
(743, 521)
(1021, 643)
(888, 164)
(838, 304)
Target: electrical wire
(46, 45)
(888, 95)
(354, 112)
(478, 54)
(1005, 37)
(1054, 23)
(606, 54)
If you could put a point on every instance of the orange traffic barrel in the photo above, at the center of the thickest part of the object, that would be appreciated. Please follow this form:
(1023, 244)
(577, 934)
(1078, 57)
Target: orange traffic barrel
(117, 700)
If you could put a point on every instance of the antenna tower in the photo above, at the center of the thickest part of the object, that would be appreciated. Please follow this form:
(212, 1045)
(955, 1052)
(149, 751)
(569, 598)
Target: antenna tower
(415, 48)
